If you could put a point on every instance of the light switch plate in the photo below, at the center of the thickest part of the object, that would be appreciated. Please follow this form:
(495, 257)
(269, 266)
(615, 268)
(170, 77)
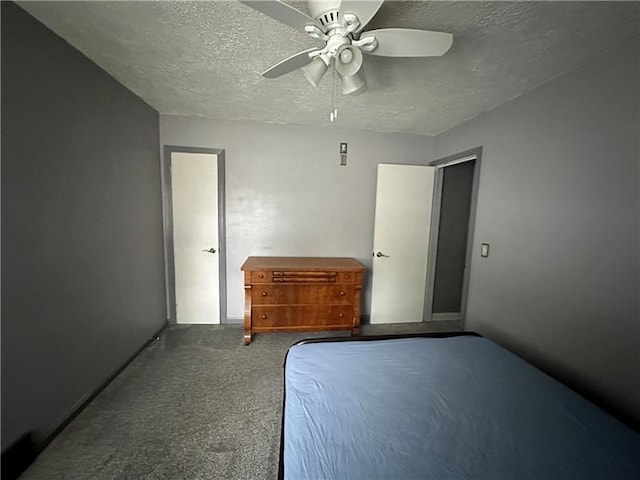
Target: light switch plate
(484, 250)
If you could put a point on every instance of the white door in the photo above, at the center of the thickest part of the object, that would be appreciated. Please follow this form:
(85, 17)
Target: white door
(404, 199)
(194, 187)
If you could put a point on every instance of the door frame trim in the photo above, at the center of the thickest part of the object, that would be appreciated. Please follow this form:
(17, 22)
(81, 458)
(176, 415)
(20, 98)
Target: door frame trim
(449, 160)
(167, 228)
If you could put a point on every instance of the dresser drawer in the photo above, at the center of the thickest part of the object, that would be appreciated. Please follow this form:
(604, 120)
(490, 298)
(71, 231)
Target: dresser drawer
(304, 277)
(279, 276)
(302, 294)
(347, 277)
(302, 316)
(261, 277)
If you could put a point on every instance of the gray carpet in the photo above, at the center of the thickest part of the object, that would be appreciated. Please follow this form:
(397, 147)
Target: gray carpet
(196, 404)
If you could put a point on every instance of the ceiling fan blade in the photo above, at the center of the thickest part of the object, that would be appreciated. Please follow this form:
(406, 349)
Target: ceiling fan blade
(290, 64)
(363, 9)
(406, 42)
(283, 13)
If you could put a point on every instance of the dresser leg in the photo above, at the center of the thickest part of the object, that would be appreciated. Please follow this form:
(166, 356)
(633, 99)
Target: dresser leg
(247, 338)
(355, 331)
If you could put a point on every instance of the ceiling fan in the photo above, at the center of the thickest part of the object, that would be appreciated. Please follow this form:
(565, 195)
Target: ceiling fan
(340, 23)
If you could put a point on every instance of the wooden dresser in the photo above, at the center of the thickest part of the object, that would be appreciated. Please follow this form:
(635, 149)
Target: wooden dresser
(301, 294)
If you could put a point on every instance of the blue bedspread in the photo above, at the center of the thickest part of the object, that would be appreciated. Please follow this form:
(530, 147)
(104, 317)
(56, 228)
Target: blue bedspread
(442, 408)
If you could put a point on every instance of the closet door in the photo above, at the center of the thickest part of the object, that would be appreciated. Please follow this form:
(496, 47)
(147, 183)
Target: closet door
(194, 186)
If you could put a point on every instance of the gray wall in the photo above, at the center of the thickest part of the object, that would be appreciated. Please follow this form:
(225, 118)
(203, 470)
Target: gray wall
(82, 259)
(287, 194)
(559, 204)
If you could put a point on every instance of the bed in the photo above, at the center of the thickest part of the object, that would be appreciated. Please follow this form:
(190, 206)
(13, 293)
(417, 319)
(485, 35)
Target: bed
(453, 406)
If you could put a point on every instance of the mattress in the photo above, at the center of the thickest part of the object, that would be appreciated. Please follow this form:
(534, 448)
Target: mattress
(460, 407)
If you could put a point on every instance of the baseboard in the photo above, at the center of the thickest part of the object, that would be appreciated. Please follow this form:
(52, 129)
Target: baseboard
(448, 316)
(24, 451)
(232, 321)
(18, 457)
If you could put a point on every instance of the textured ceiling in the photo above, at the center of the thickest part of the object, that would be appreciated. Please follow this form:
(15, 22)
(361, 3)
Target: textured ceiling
(205, 58)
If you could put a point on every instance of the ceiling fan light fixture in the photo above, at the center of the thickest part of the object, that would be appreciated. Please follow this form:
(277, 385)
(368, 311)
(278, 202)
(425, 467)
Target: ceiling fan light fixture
(348, 60)
(346, 55)
(353, 85)
(315, 70)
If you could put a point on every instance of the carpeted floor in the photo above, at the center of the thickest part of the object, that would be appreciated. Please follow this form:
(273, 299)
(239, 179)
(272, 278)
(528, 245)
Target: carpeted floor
(196, 404)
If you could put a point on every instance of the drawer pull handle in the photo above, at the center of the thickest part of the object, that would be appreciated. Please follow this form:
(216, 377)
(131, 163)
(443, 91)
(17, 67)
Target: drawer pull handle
(341, 315)
(264, 294)
(264, 316)
(347, 276)
(342, 294)
(261, 276)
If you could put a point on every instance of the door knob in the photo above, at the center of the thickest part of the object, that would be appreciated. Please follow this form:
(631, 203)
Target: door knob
(211, 250)
(380, 254)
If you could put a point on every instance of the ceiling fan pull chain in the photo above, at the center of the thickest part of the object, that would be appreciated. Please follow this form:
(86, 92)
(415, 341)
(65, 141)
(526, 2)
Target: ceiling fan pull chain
(334, 109)
(335, 90)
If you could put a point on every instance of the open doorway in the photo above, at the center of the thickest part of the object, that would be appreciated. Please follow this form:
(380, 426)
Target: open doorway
(451, 239)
